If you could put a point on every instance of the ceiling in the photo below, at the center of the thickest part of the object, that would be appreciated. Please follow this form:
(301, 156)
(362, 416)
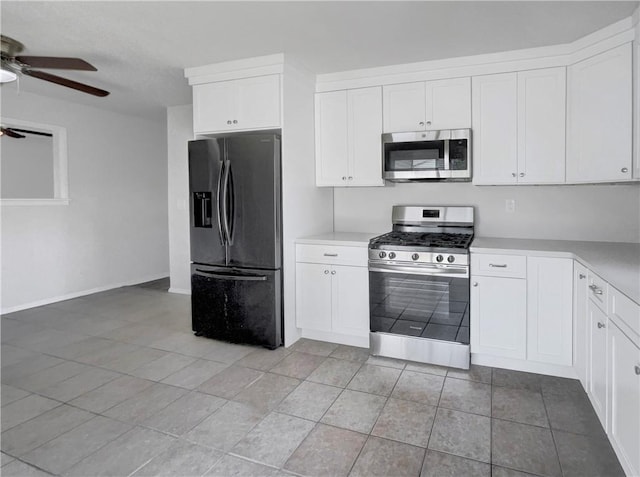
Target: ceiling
(141, 48)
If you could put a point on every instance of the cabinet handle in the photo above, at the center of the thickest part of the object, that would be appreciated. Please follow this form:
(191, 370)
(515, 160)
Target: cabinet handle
(350, 178)
(513, 174)
(522, 174)
(229, 121)
(595, 290)
(333, 272)
(421, 123)
(428, 123)
(600, 325)
(498, 265)
(235, 121)
(330, 254)
(475, 284)
(326, 272)
(624, 169)
(582, 275)
(637, 369)
(344, 178)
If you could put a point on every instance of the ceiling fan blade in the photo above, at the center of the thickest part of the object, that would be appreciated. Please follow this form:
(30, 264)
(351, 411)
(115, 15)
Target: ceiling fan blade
(85, 88)
(56, 63)
(28, 131)
(11, 133)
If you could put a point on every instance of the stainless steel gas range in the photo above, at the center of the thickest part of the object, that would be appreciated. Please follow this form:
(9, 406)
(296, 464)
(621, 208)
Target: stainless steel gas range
(419, 286)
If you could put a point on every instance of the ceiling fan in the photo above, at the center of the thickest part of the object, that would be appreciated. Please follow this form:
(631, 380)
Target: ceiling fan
(16, 132)
(12, 64)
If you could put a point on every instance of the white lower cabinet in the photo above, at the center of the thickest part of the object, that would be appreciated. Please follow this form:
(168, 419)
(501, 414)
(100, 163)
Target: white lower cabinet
(624, 399)
(597, 322)
(332, 299)
(522, 309)
(549, 310)
(580, 287)
(499, 316)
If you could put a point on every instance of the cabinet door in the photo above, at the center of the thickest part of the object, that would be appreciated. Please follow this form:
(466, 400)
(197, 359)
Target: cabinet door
(495, 131)
(404, 107)
(313, 296)
(498, 316)
(624, 387)
(258, 103)
(580, 327)
(331, 138)
(364, 130)
(214, 106)
(448, 104)
(549, 307)
(350, 293)
(597, 361)
(541, 125)
(599, 117)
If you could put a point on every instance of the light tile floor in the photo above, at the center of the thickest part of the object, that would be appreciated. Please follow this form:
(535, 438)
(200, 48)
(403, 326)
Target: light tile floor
(115, 384)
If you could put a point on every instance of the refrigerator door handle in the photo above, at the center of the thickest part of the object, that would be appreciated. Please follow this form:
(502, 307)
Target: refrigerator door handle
(227, 276)
(225, 204)
(218, 201)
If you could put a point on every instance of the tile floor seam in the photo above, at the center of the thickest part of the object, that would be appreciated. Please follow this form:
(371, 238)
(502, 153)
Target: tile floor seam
(553, 437)
(32, 465)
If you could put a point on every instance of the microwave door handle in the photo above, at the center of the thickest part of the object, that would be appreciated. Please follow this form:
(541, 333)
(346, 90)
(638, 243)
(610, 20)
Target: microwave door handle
(447, 164)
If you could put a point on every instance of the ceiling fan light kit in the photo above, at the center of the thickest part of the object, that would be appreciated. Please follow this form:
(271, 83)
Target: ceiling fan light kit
(12, 65)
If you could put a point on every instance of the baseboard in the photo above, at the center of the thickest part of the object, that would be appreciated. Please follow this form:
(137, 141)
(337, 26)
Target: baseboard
(521, 365)
(91, 291)
(350, 340)
(180, 291)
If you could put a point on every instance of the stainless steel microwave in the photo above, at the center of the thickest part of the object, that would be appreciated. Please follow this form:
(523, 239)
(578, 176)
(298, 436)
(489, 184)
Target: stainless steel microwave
(427, 155)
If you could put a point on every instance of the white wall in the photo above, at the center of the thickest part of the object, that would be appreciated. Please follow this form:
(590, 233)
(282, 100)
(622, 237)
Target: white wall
(581, 212)
(114, 230)
(179, 131)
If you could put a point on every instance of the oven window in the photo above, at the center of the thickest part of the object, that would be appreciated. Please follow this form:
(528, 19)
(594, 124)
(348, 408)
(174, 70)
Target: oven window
(420, 305)
(414, 156)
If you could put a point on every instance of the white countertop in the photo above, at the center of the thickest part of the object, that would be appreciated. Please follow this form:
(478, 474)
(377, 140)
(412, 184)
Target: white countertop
(617, 263)
(351, 239)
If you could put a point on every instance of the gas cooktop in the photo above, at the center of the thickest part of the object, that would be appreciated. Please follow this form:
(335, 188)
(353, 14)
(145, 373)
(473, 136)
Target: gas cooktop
(431, 240)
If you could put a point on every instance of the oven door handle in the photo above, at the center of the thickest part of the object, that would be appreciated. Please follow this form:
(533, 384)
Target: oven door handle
(439, 270)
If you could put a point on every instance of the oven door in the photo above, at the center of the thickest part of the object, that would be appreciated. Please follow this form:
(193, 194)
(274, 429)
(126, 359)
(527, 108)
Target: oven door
(420, 301)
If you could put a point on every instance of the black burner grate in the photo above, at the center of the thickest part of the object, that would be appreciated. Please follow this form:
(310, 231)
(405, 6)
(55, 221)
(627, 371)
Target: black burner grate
(420, 239)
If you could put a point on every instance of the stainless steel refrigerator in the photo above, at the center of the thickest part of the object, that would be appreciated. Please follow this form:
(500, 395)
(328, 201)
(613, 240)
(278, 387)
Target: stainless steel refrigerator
(236, 238)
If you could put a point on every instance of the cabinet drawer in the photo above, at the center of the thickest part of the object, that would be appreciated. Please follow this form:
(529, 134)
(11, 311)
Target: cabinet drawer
(625, 310)
(598, 291)
(332, 254)
(514, 266)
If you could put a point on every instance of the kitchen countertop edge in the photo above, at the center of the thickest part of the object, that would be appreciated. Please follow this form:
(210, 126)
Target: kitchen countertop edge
(616, 262)
(349, 239)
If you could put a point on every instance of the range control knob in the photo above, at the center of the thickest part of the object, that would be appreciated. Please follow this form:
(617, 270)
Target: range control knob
(415, 256)
(382, 254)
(392, 255)
(439, 258)
(450, 258)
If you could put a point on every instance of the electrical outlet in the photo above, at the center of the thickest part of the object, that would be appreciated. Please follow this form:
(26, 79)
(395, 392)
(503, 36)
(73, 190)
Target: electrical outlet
(510, 205)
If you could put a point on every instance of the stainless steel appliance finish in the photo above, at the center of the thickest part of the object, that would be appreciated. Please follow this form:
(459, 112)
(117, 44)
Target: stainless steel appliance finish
(427, 155)
(236, 238)
(419, 286)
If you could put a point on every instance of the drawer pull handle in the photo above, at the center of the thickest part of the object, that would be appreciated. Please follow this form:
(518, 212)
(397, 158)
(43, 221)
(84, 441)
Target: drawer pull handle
(326, 272)
(600, 325)
(595, 289)
(582, 275)
(637, 369)
(498, 265)
(333, 272)
(330, 254)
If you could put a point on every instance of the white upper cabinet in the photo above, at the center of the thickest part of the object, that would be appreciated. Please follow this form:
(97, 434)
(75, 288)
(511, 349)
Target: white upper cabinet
(494, 128)
(519, 127)
(348, 137)
(439, 104)
(599, 145)
(237, 105)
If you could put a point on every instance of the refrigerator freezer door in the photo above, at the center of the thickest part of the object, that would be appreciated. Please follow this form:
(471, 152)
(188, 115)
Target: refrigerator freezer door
(205, 178)
(240, 306)
(253, 205)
